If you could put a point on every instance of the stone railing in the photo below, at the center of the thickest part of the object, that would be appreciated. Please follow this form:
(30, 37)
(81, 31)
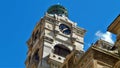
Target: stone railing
(56, 58)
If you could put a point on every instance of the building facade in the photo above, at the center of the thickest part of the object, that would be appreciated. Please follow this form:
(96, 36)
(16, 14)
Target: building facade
(99, 55)
(103, 54)
(57, 42)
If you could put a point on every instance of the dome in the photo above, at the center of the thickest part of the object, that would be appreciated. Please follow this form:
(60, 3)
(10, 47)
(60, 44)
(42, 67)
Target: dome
(57, 9)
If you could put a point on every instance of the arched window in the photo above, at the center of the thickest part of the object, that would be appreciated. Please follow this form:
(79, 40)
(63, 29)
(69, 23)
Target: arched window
(36, 56)
(35, 35)
(61, 50)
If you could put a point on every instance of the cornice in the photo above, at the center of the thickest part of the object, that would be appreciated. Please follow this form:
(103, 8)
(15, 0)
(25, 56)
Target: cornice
(105, 52)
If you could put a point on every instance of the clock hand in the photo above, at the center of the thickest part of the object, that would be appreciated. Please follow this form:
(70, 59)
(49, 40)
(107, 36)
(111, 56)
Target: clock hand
(64, 29)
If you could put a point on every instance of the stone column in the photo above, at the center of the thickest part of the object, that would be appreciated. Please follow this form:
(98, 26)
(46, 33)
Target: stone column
(118, 46)
(118, 41)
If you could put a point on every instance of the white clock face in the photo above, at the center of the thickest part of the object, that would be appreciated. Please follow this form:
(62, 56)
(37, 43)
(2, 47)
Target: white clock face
(65, 29)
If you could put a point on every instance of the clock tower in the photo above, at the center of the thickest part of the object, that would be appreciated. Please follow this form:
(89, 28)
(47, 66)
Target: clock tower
(56, 41)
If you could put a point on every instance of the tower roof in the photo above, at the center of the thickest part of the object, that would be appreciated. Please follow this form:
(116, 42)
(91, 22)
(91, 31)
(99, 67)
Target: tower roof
(57, 9)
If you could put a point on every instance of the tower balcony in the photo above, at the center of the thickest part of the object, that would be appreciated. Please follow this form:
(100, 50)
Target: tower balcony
(56, 58)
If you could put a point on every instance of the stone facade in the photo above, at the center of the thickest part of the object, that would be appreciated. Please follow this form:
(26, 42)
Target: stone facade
(57, 42)
(99, 56)
(115, 28)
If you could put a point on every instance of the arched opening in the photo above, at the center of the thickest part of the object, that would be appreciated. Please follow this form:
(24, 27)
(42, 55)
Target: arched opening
(61, 50)
(36, 56)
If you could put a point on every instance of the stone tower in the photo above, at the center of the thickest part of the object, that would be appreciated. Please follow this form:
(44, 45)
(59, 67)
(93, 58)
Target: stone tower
(56, 41)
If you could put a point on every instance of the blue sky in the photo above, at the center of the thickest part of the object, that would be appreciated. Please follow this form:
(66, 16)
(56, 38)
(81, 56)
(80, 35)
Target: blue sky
(18, 18)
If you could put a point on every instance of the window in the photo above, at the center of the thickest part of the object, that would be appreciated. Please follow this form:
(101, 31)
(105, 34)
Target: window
(65, 29)
(36, 56)
(35, 36)
(61, 50)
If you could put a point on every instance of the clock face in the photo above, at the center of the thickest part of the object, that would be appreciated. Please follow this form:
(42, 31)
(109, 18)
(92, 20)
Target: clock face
(64, 29)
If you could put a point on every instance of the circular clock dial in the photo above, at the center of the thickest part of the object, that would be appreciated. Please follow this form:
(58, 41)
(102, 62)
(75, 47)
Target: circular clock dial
(64, 29)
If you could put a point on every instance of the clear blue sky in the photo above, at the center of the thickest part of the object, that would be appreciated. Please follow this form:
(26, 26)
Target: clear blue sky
(18, 18)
